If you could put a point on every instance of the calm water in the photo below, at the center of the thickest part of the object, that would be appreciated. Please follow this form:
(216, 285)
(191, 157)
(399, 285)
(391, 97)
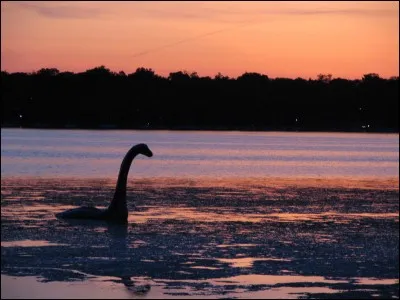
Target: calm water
(91, 153)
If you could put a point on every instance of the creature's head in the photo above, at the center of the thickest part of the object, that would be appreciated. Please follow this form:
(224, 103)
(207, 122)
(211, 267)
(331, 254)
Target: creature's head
(144, 149)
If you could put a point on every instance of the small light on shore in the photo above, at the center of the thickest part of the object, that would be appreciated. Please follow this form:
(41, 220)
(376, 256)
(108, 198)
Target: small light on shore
(20, 116)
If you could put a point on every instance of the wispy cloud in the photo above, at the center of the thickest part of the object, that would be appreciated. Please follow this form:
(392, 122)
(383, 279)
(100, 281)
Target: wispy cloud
(364, 12)
(195, 13)
(229, 12)
(55, 9)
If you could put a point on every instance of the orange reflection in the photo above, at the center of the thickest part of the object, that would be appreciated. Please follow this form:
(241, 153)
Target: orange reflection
(247, 262)
(29, 243)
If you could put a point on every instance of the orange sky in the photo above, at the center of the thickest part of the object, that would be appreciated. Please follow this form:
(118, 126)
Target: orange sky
(279, 39)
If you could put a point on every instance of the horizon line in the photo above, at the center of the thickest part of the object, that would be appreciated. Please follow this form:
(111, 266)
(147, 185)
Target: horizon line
(192, 72)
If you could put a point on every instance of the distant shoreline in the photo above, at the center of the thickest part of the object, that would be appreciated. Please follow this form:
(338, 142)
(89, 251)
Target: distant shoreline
(190, 128)
(101, 99)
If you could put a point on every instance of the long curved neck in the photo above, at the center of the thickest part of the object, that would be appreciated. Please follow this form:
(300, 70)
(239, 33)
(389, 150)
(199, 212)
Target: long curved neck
(119, 201)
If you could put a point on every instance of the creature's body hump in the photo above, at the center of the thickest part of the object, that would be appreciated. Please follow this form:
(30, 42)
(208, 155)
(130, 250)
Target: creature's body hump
(83, 212)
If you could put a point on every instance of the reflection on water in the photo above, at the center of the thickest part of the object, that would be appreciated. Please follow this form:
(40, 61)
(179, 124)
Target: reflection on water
(247, 262)
(29, 243)
(274, 238)
(91, 153)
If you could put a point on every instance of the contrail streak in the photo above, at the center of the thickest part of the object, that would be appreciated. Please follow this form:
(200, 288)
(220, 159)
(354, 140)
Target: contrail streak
(241, 24)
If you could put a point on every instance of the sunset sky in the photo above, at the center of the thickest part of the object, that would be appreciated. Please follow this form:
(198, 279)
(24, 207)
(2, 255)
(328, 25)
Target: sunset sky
(279, 39)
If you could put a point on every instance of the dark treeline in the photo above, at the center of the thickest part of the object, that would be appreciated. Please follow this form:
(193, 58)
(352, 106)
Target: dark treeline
(99, 98)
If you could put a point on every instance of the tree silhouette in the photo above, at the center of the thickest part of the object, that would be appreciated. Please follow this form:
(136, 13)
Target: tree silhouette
(100, 98)
(324, 77)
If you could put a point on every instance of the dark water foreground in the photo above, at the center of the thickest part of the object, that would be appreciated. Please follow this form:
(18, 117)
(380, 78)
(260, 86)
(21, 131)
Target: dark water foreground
(203, 239)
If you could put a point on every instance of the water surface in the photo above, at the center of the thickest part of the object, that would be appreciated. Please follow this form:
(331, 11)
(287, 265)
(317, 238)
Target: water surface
(211, 215)
(199, 239)
(91, 153)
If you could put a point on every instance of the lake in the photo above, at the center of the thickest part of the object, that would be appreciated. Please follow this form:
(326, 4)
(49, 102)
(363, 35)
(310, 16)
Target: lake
(91, 153)
(211, 215)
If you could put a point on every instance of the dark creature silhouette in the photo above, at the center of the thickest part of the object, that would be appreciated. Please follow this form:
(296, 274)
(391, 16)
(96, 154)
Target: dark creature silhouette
(117, 211)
